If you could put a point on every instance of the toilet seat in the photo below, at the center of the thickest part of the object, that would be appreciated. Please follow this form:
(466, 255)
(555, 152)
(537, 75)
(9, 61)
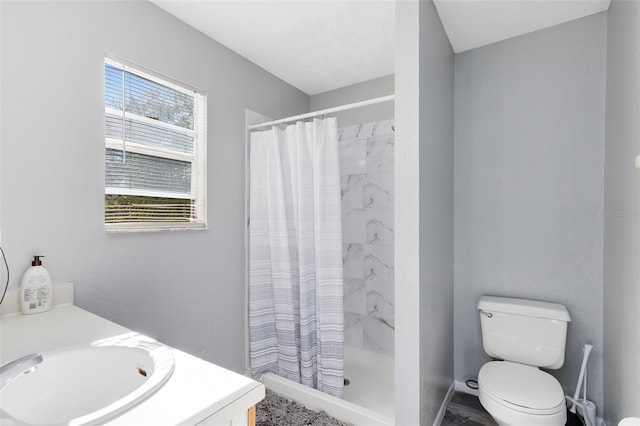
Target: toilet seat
(521, 388)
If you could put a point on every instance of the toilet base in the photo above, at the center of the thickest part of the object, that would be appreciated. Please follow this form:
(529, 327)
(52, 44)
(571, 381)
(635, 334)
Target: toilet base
(505, 416)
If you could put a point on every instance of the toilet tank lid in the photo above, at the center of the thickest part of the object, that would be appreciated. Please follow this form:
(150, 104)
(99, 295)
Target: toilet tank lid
(532, 308)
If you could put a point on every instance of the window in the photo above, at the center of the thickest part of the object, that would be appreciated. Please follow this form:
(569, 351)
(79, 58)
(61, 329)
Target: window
(155, 159)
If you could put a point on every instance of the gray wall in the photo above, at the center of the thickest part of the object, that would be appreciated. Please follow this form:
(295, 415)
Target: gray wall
(184, 288)
(424, 213)
(436, 212)
(529, 149)
(370, 89)
(622, 215)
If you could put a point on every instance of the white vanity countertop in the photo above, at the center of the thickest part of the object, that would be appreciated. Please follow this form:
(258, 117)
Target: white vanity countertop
(196, 390)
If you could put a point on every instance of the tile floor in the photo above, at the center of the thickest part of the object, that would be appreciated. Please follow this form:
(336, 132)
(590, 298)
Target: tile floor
(465, 409)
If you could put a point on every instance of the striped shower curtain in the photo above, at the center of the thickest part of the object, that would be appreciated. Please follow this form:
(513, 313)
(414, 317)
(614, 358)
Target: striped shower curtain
(296, 325)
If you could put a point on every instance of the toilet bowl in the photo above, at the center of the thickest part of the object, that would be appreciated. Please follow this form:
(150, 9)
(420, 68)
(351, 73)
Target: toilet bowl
(518, 394)
(525, 335)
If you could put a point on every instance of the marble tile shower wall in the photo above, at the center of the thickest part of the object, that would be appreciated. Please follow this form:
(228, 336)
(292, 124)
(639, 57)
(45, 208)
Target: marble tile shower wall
(366, 169)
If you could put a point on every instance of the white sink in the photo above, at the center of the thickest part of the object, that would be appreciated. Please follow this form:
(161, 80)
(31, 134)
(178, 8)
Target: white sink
(87, 385)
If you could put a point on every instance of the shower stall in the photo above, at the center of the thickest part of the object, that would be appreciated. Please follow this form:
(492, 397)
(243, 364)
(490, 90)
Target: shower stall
(366, 176)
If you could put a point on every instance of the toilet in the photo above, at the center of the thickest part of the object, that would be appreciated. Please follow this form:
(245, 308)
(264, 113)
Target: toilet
(522, 336)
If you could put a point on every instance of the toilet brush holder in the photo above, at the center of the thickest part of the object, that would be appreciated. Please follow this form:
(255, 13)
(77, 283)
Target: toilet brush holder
(586, 409)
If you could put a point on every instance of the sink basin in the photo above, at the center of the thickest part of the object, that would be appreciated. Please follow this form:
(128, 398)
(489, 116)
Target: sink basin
(87, 385)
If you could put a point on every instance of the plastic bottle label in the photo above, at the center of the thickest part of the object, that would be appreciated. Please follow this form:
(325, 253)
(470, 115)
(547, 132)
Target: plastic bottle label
(43, 295)
(36, 292)
(30, 295)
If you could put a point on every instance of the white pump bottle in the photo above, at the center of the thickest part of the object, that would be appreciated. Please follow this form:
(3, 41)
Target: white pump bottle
(35, 289)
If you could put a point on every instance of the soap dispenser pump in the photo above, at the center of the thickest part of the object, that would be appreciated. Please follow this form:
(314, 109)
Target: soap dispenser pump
(35, 289)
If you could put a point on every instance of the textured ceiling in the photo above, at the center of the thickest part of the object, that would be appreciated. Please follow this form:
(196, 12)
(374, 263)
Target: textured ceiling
(313, 45)
(474, 23)
(321, 45)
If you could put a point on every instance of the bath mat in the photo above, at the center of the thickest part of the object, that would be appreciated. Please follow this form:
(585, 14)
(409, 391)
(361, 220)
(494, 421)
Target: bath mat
(275, 410)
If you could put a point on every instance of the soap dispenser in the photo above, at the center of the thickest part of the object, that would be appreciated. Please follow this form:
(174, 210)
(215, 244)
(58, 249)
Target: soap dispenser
(35, 290)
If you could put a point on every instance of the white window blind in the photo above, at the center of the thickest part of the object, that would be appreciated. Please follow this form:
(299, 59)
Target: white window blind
(155, 142)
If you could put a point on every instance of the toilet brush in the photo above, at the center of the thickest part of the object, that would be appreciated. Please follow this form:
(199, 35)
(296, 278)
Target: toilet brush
(587, 351)
(585, 408)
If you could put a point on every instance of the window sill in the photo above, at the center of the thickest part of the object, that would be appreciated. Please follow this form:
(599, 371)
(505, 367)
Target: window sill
(119, 228)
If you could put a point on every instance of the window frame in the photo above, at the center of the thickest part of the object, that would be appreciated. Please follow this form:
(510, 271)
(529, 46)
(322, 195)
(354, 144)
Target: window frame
(198, 158)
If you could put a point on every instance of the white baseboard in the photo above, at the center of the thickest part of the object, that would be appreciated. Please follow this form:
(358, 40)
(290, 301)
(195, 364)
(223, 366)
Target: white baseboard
(445, 402)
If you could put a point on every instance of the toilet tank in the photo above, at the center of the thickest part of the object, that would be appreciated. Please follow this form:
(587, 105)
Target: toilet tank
(525, 331)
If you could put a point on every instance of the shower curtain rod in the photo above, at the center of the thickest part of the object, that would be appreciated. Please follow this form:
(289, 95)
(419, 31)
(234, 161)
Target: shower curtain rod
(325, 111)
